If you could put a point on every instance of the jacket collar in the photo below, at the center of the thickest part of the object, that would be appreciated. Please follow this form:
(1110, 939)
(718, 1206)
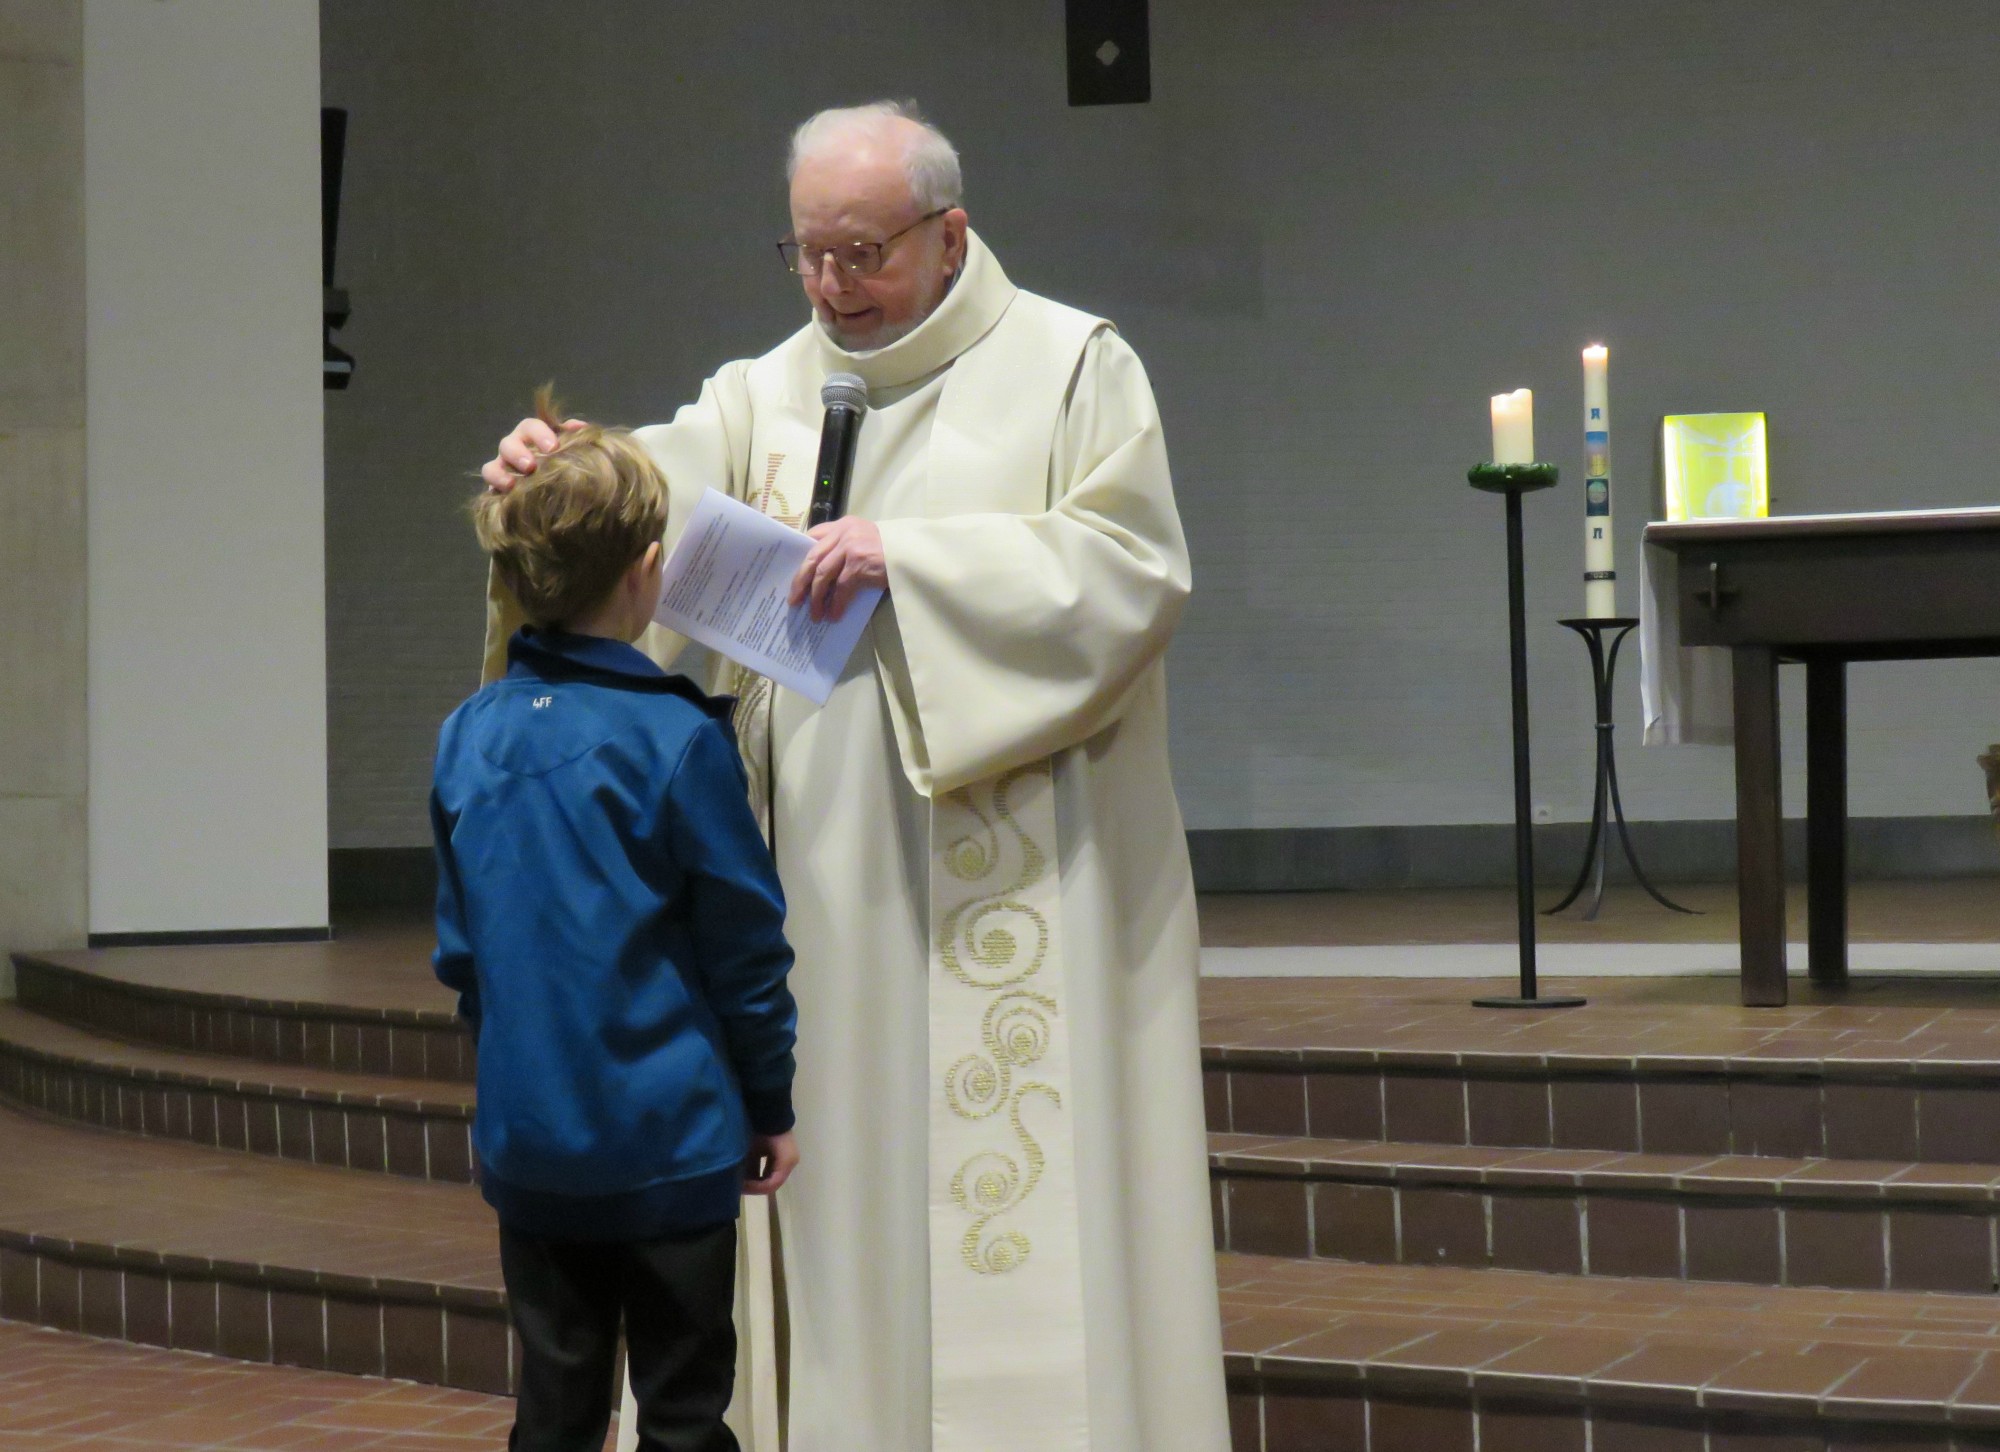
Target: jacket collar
(555, 655)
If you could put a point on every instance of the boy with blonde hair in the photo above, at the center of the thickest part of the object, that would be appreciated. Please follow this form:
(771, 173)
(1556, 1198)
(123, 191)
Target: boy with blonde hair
(611, 918)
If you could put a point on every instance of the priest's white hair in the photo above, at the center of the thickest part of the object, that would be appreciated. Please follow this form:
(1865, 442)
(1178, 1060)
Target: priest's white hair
(930, 160)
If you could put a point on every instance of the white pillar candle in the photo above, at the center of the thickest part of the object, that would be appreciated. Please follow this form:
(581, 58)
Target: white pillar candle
(1600, 575)
(1514, 427)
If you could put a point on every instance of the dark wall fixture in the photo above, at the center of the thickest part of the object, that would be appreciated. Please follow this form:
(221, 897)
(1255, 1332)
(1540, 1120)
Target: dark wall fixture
(336, 366)
(1110, 55)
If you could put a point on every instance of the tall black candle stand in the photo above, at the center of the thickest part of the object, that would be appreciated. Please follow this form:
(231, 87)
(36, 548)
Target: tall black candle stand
(1514, 480)
(1603, 666)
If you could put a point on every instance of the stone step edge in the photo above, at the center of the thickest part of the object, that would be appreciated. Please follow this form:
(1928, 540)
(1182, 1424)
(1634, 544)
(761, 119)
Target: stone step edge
(262, 1085)
(34, 963)
(358, 1137)
(1476, 1167)
(441, 1335)
(1617, 1233)
(1684, 1377)
(1442, 1063)
(1273, 1416)
(379, 1043)
(272, 1276)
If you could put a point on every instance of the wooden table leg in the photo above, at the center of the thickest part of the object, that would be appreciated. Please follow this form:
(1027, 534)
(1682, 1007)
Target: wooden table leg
(1760, 845)
(1826, 820)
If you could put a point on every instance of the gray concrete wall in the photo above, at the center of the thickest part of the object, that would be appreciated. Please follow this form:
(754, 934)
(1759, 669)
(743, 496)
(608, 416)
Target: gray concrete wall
(43, 778)
(1334, 232)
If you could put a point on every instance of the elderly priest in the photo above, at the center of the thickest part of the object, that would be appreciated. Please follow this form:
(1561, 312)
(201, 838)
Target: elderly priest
(998, 1238)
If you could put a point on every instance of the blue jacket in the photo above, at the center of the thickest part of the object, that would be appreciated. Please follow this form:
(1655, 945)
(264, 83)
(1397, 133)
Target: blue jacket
(610, 916)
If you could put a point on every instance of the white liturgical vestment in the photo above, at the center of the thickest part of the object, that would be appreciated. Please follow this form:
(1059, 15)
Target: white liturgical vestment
(998, 1236)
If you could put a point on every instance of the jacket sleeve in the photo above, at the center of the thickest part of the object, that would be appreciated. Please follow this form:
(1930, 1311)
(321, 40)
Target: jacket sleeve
(453, 959)
(1010, 637)
(736, 921)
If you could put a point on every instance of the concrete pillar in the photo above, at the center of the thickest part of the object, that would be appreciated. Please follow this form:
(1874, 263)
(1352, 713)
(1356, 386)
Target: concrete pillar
(206, 510)
(43, 766)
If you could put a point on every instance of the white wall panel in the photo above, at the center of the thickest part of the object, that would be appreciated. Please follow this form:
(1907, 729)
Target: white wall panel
(206, 533)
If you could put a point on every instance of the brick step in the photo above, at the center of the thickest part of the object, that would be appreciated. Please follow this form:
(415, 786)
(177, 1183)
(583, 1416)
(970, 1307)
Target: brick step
(1330, 1357)
(1883, 1070)
(1759, 1220)
(171, 1244)
(1873, 1109)
(289, 1003)
(86, 1394)
(415, 1127)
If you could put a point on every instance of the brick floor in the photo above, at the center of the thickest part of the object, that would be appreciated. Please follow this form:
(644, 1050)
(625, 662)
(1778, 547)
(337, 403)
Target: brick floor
(380, 965)
(1441, 1331)
(66, 1393)
(71, 1182)
(1263, 1296)
(1955, 910)
(1434, 1329)
(1879, 1023)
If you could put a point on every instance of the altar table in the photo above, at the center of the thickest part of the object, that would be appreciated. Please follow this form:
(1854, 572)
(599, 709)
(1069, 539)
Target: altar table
(1821, 590)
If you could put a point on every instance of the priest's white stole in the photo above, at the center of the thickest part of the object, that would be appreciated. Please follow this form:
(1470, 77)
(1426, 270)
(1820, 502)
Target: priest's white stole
(1007, 1362)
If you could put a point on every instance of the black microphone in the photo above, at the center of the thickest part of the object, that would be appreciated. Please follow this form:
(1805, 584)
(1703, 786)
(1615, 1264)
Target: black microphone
(846, 398)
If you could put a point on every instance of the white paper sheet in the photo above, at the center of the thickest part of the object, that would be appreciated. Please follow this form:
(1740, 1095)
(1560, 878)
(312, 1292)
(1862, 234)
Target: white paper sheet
(726, 583)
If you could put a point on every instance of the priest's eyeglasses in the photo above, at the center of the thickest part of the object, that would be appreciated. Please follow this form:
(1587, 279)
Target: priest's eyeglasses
(858, 259)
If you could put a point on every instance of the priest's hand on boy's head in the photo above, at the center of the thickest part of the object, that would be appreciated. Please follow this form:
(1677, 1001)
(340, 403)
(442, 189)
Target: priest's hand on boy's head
(519, 451)
(773, 1157)
(846, 557)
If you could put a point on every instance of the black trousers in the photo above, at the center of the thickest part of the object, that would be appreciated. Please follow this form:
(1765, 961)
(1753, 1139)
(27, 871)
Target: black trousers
(674, 1297)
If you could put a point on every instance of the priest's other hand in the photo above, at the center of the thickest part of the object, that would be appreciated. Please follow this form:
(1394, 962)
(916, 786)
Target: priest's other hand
(846, 556)
(520, 451)
(773, 1157)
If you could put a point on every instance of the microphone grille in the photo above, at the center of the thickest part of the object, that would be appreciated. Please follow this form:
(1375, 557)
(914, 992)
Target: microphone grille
(844, 390)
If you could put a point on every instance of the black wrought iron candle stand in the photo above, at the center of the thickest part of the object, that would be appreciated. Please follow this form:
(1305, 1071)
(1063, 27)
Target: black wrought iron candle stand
(1603, 666)
(1514, 480)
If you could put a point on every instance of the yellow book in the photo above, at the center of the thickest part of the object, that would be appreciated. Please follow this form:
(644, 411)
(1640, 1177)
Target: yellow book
(1716, 466)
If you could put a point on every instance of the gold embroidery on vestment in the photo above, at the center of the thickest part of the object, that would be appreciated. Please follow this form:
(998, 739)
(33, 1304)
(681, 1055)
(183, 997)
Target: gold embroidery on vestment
(993, 943)
(772, 494)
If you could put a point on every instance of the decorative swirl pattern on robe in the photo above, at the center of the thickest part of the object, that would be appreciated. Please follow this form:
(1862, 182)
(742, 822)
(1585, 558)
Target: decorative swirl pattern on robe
(994, 942)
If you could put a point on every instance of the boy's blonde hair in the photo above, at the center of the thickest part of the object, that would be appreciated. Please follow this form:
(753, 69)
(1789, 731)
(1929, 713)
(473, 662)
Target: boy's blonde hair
(563, 537)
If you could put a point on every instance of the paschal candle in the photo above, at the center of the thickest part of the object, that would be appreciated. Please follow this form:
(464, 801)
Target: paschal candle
(1600, 575)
